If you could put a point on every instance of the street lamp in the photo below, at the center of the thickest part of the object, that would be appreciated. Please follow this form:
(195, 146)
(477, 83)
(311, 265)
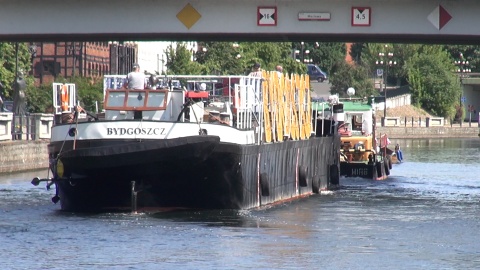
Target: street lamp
(385, 63)
(462, 69)
(296, 52)
(306, 54)
(303, 55)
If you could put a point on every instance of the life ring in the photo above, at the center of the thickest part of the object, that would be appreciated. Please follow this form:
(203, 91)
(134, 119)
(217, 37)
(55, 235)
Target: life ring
(264, 186)
(303, 176)
(64, 98)
(334, 176)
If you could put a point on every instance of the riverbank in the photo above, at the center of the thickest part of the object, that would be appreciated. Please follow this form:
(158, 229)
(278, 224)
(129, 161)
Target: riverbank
(31, 155)
(454, 131)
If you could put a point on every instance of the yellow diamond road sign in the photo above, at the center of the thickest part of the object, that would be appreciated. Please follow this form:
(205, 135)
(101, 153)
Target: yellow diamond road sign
(188, 16)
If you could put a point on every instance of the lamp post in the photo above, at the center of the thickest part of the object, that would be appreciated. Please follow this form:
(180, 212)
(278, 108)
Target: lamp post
(307, 60)
(385, 61)
(303, 53)
(462, 69)
(295, 53)
(32, 49)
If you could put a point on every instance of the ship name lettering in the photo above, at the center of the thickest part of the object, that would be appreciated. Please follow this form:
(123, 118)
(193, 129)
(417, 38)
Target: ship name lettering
(360, 171)
(135, 131)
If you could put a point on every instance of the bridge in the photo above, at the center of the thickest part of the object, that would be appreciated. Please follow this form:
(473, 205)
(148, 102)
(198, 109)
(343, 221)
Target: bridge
(398, 21)
(401, 21)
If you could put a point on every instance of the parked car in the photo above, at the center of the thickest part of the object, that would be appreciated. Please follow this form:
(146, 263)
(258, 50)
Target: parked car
(316, 73)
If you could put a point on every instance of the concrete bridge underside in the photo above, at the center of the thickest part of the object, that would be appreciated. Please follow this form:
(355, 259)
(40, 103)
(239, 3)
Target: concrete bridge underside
(402, 21)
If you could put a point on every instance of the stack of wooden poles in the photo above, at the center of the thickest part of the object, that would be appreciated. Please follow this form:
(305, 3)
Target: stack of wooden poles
(287, 107)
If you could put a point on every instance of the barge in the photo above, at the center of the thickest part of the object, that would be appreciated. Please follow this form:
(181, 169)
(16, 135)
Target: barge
(240, 143)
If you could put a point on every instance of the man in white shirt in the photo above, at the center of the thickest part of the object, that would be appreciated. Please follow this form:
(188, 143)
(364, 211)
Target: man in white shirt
(257, 72)
(136, 79)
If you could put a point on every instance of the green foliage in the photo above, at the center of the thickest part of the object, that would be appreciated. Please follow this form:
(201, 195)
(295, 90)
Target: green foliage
(228, 58)
(8, 65)
(471, 53)
(347, 75)
(89, 93)
(39, 99)
(433, 85)
(328, 54)
(179, 61)
(356, 52)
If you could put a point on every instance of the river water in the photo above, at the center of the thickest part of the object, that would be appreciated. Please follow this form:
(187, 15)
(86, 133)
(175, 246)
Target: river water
(425, 216)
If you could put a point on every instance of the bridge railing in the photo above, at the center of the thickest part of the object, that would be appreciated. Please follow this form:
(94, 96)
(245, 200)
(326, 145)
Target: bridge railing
(424, 122)
(35, 126)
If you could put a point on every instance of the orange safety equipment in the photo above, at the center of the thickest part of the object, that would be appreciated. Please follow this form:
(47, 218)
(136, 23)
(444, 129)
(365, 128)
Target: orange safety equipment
(64, 98)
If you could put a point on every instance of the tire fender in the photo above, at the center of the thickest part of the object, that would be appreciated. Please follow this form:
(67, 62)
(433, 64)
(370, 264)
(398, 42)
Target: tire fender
(303, 176)
(315, 184)
(334, 175)
(387, 166)
(378, 166)
(264, 185)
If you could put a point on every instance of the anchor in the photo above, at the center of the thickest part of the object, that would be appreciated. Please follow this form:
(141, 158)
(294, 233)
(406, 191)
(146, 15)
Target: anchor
(36, 181)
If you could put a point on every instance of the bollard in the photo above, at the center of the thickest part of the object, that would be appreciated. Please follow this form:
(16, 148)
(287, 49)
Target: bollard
(134, 198)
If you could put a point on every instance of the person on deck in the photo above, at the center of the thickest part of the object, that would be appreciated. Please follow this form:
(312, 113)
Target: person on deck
(256, 72)
(398, 152)
(135, 79)
(279, 70)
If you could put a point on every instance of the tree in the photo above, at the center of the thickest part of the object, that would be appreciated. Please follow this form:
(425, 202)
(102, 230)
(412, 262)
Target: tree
(356, 52)
(327, 54)
(434, 86)
(222, 58)
(471, 53)
(8, 65)
(89, 94)
(238, 57)
(348, 75)
(179, 61)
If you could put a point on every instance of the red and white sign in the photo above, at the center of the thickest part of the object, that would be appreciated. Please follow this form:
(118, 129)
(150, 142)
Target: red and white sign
(267, 16)
(439, 17)
(361, 16)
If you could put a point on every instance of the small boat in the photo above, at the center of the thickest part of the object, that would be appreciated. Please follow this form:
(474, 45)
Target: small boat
(360, 154)
(239, 142)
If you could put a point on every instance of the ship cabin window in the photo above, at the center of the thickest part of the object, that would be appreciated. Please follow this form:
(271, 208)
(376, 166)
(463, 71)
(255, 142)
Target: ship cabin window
(135, 100)
(357, 121)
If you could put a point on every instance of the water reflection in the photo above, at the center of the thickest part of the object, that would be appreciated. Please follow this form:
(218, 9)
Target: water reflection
(425, 216)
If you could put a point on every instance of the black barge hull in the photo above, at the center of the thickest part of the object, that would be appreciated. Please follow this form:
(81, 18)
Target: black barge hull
(201, 173)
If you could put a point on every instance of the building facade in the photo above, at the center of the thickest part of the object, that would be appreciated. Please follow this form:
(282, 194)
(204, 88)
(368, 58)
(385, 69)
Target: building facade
(84, 59)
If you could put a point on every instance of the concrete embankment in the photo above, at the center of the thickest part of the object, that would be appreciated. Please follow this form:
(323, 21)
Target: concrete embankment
(430, 132)
(20, 156)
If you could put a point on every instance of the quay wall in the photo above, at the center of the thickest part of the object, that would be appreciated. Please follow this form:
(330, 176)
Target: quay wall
(23, 155)
(430, 132)
(17, 156)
